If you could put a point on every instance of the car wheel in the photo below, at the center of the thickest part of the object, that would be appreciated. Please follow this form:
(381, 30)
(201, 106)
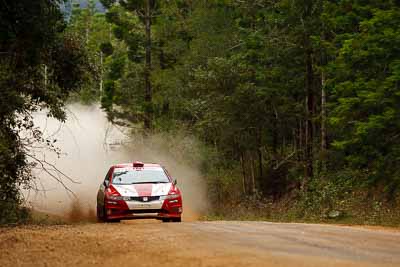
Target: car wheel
(177, 219)
(113, 220)
(100, 214)
(165, 220)
(106, 219)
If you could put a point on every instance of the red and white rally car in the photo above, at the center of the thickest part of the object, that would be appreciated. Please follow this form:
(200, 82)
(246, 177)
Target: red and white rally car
(138, 190)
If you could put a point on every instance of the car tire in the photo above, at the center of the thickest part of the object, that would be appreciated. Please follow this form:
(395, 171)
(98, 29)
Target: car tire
(105, 218)
(165, 220)
(113, 220)
(100, 214)
(177, 219)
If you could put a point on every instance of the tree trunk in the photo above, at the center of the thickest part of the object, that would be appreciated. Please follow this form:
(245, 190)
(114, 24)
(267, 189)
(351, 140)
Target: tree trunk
(301, 139)
(242, 163)
(260, 155)
(323, 122)
(45, 76)
(309, 112)
(101, 75)
(148, 118)
(253, 178)
(275, 137)
(87, 33)
(309, 84)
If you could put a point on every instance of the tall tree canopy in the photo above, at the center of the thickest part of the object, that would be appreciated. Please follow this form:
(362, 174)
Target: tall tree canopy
(284, 91)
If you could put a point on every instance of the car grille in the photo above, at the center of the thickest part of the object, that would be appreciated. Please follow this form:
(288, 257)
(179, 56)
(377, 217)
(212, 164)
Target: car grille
(129, 212)
(146, 211)
(152, 198)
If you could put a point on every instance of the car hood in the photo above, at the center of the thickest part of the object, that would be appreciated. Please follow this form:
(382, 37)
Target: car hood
(139, 190)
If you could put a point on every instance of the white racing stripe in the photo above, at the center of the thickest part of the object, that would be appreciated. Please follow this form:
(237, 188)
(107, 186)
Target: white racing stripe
(126, 190)
(161, 189)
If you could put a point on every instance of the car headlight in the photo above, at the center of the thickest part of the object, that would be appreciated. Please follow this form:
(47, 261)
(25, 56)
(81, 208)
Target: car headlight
(169, 196)
(114, 197)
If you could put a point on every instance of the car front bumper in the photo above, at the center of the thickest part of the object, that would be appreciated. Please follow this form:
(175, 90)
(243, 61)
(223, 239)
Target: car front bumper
(160, 209)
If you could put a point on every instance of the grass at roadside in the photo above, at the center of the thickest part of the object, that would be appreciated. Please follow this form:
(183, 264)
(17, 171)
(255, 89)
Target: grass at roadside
(286, 219)
(360, 209)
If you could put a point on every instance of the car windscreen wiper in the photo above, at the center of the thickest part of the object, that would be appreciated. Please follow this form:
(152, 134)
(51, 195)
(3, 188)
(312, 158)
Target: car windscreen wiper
(120, 173)
(153, 182)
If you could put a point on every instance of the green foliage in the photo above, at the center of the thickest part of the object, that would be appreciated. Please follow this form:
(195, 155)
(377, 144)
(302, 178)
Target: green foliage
(366, 88)
(91, 29)
(40, 66)
(107, 49)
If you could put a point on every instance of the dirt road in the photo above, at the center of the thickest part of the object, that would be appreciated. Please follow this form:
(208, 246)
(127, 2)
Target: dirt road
(150, 243)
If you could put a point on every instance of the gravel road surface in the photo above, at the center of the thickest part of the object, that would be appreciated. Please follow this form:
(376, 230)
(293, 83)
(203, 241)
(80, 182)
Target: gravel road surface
(151, 243)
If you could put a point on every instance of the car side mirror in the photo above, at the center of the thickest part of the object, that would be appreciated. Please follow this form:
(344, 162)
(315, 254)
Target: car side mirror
(175, 182)
(106, 183)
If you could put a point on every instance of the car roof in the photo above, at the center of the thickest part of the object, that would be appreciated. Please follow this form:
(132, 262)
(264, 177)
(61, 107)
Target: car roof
(145, 165)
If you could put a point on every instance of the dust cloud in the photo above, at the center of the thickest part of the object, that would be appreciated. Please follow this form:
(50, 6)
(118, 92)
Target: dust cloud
(89, 145)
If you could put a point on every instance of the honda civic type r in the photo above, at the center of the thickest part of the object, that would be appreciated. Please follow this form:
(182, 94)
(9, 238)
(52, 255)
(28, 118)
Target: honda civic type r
(138, 190)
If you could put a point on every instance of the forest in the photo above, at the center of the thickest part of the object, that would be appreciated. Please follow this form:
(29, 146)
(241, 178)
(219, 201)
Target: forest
(296, 103)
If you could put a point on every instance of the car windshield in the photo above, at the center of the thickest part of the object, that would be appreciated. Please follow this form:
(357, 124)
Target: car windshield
(139, 176)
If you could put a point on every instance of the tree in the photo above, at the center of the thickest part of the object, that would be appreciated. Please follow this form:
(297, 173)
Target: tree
(286, 94)
(31, 40)
(366, 85)
(91, 28)
(145, 10)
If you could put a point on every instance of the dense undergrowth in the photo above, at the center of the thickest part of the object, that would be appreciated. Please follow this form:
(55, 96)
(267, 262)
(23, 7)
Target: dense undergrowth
(346, 196)
(337, 198)
(355, 208)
